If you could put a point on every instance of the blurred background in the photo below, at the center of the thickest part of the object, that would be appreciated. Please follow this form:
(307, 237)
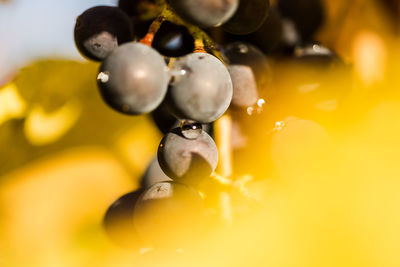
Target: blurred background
(326, 182)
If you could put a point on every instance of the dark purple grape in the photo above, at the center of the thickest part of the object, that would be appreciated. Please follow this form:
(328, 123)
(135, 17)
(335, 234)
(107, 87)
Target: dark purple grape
(172, 40)
(187, 160)
(200, 89)
(163, 119)
(169, 214)
(99, 30)
(269, 36)
(248, 17)
(118, 221)
(276, 35)
(133, 79)
(307, 15)
(205, 13)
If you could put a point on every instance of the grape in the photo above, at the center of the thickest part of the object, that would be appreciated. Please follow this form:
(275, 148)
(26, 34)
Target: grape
(200, 88)
(392, 7)
(250, 72)
(290, 37)
(118, 220)
(172, 40)
(269, 36)
(191, 130)
(169, 214)
(248, 17)
(187, 160)
(163, 119)
(307, 15)
(315, 55)
(275, 35)
(153, 175)
(99, 30)
(244, 86)
(205, 13)
(133, 79)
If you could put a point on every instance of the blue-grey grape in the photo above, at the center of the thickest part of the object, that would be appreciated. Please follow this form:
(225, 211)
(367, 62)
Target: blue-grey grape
(245, 92)
(205, 13)
(154, 174)
(250, 72)
(99, 30)
(187, 160)
(200, 89)
(248, 17)
(133, 79)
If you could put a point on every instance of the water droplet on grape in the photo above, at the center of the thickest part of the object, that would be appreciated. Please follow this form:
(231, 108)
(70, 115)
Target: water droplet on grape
(190, 129)
(316, 48)
(260, 105)
(103, 77)
(243, 48)
(250, 110)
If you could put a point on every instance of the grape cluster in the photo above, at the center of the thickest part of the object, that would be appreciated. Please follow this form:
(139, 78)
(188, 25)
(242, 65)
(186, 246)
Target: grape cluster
(176, 72)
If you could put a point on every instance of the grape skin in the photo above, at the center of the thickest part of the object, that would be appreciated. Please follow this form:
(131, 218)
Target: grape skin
(200, 89)
(248, 17)
(154, 174)
(244, 54)
(269, 36)
(205, 13)
(99, 30)
(163, 119)
(187, 160)
(172, 40)
(133, 79)
(307, 15)
(169, 215)
(244, 86)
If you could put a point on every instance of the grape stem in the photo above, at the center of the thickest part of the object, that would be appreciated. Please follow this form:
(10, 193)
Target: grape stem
(153, 29)
(223, 132)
